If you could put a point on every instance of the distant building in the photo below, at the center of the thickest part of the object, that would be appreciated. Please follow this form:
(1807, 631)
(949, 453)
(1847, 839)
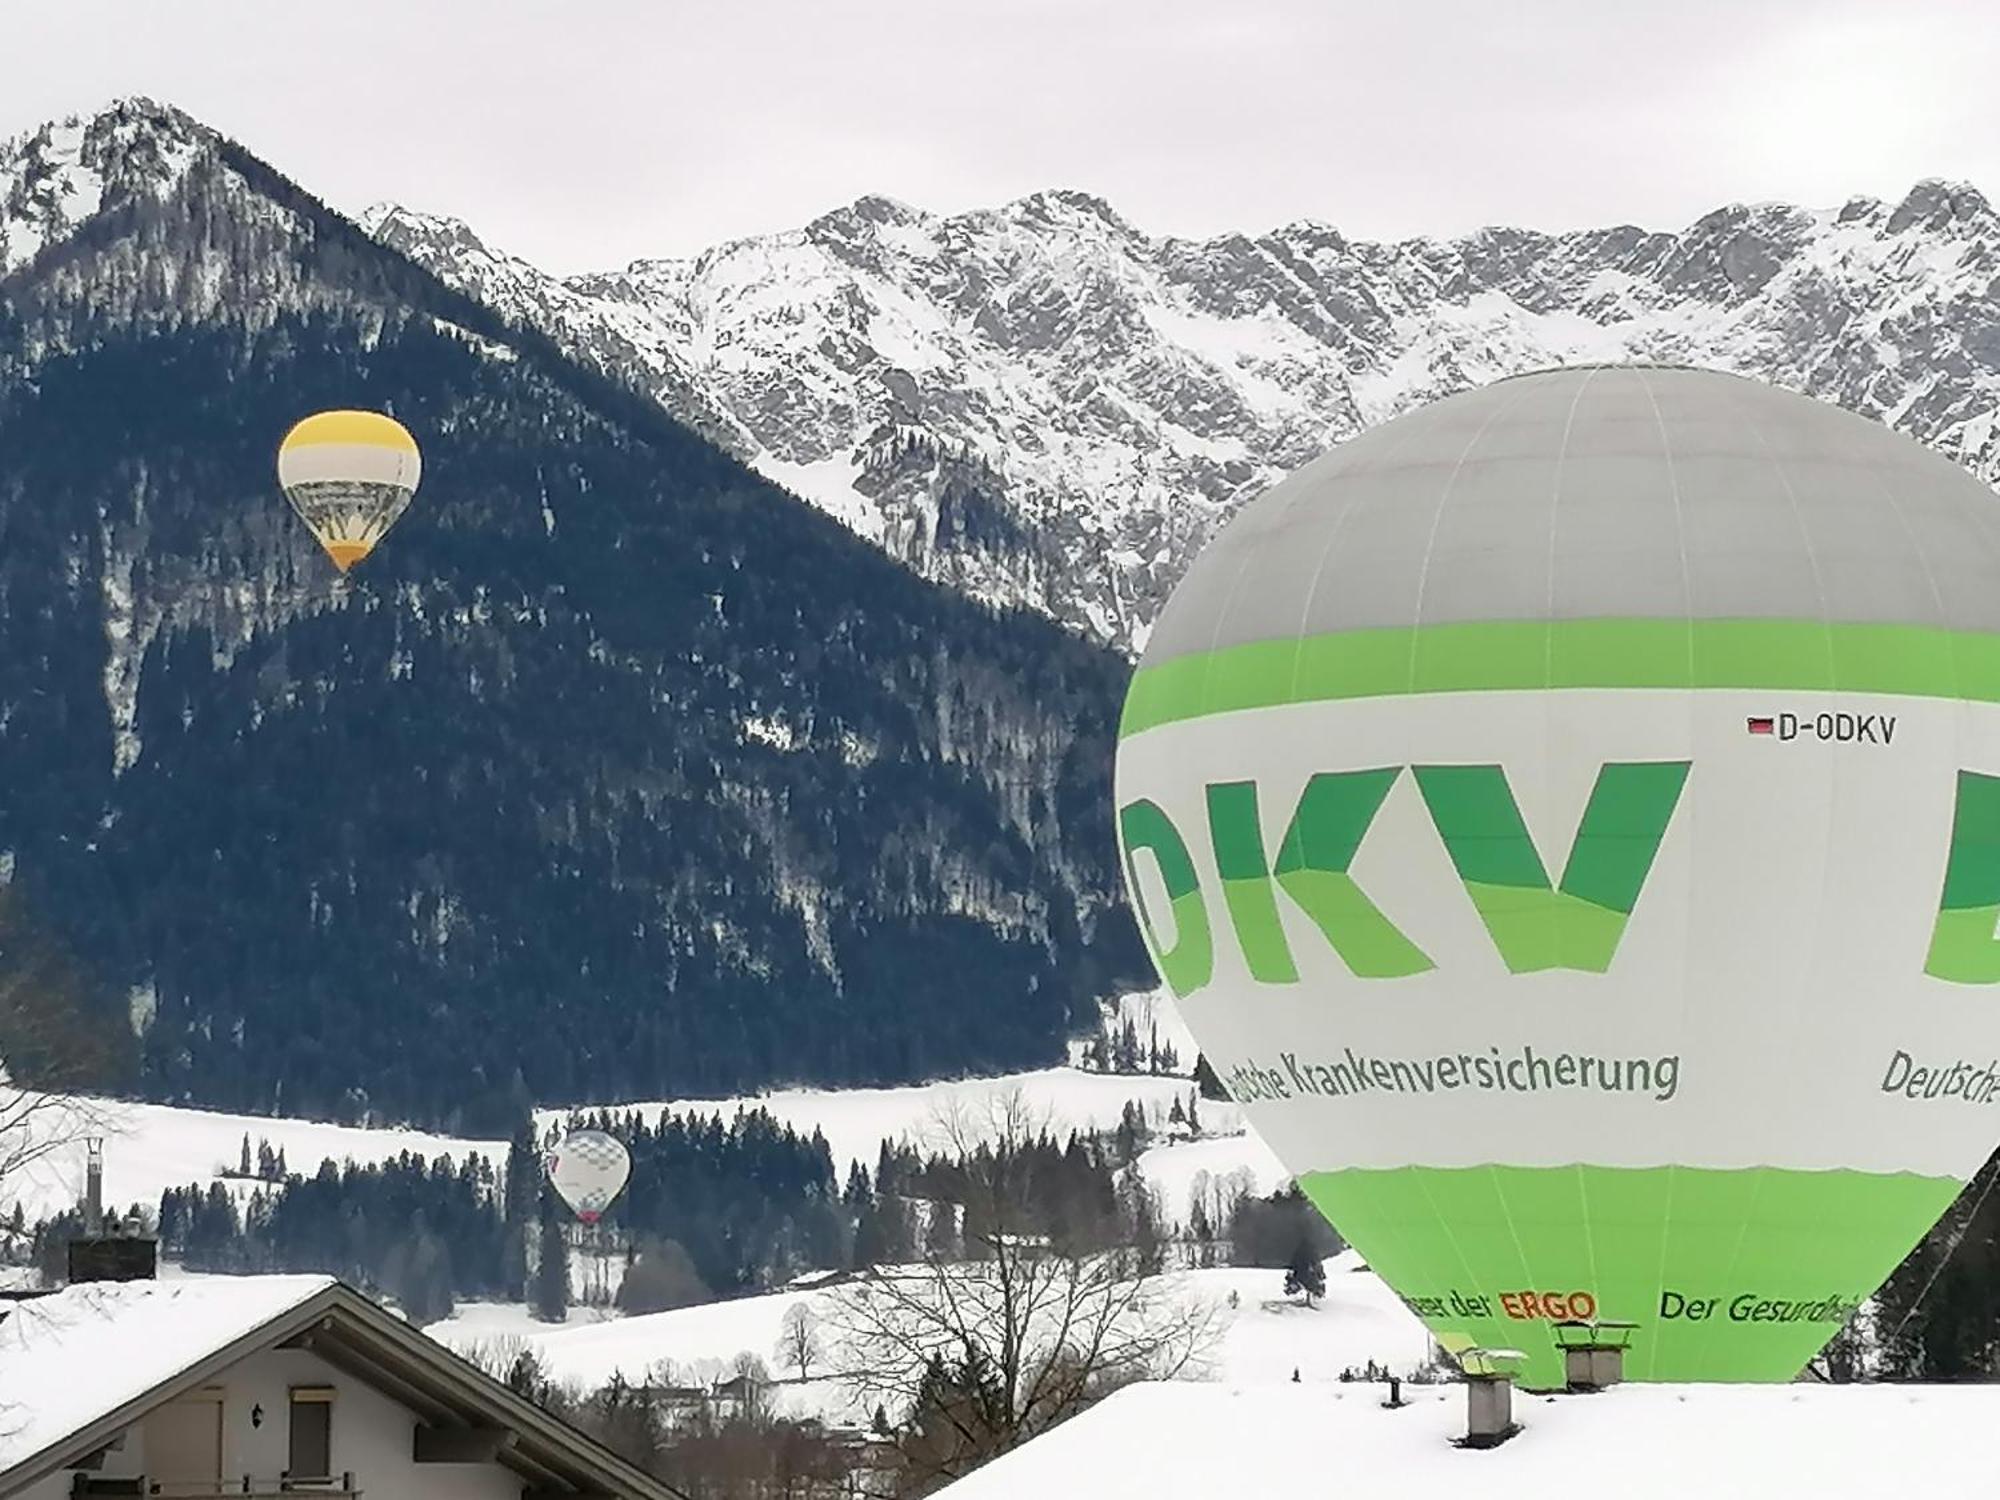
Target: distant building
(267, 1386)
(738, 1396)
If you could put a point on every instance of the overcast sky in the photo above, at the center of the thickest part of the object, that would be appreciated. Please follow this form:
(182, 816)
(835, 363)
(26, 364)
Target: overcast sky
(586, 135)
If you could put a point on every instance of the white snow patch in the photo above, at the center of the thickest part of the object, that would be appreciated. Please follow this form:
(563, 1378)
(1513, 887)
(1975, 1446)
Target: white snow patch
(151, 1147)
(828, 484)
(142, 1003)
(1265, 1336)
(769, 731)
(1639, 1442)
(1221, 1163)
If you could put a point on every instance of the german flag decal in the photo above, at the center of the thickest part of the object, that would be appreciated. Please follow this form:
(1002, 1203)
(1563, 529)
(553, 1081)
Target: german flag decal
(1762, 725)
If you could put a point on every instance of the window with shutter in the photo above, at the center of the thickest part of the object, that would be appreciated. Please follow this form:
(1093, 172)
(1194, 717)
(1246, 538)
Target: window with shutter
(312, 1432)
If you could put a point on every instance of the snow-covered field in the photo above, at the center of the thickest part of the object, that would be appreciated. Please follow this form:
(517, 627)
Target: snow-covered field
(1636, 1442)
(1152, 1014)
(857, 1121)
(151, 1147)
(1174, 1170)
(1266, 1337)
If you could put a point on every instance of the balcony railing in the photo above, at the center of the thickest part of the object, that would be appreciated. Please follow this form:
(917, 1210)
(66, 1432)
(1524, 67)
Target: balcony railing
(243, 1487)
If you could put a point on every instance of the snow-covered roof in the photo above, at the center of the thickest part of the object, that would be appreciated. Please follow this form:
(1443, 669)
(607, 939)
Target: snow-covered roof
(81, 1365)
(68, 1359)
(1637, 1442)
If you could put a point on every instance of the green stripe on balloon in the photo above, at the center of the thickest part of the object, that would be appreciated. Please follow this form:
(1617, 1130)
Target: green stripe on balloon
(1534, 926)
(1190, 962)
(1333, 814)
(1246, 882)
(1800, 655)
(1687, 1253)
(1964, 948)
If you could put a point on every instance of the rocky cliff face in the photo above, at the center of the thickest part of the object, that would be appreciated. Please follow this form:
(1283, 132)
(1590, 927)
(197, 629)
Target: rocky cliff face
(1042, 404)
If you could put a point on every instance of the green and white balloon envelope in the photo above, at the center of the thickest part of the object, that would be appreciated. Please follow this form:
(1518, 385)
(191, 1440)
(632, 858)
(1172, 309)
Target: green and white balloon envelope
(1569, 818)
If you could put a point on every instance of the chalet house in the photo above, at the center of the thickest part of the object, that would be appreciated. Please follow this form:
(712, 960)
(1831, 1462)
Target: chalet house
(268, 1386)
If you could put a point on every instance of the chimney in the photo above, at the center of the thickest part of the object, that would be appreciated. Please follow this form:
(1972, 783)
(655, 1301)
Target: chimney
(1489, 1395)
(120, 1253)
(93, 1186)
(1593, 1353)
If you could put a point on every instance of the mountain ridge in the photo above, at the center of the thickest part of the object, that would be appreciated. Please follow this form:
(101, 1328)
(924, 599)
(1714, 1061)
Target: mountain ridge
(1043, 405)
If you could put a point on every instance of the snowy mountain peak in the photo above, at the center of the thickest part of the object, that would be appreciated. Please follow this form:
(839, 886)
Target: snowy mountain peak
(1044, 405)
(1941, 205)
(55, 177)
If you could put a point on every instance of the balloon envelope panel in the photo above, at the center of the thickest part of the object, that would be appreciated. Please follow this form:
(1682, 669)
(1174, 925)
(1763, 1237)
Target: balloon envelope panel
(1569, 817)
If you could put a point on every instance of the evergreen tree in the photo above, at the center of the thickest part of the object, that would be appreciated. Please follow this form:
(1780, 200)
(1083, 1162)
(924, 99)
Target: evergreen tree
(1201, 1230)
(1131, 1127)
(1305, 1275)
(548, 1292)
(243, 1163)
(1268, 1231)
(521, 1203)
(1209, 1086)
(662, 1278)
(1126, 1056)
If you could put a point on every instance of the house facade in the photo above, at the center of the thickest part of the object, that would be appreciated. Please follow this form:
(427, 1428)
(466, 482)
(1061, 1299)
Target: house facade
(268, 1386)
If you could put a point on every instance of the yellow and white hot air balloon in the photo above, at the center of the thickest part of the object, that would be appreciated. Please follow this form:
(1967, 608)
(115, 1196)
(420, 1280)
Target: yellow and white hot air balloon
(349, 475)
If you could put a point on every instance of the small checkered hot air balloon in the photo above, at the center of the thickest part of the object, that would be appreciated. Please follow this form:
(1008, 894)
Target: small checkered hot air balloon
(349, 475)
(588, 1169)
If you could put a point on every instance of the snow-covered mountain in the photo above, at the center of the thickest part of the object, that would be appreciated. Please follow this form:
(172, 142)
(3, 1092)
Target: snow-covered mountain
(53, 179)
(1043, 404)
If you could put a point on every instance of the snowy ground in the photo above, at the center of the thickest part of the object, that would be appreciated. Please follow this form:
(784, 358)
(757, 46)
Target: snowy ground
(1266, 1336)
(151, 1147)
(857, 1121)
(1152, 1013)
(1176, 1170)
(1636, 1442)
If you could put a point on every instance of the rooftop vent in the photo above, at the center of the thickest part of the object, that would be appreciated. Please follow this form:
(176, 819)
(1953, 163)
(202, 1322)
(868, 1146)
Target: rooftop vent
(1593, 1353)
(1489, 1395)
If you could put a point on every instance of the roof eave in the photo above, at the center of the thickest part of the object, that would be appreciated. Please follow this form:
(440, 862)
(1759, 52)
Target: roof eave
(543, 1443)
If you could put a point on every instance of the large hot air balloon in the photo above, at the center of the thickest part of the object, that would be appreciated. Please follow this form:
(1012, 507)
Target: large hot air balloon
(349, 475)
(1569, 818)
(588, 1169)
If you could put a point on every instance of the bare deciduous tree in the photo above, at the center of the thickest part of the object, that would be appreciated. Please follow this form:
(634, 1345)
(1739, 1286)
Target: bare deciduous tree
(1037, 1322)
(798, 1340)
(49, 1046)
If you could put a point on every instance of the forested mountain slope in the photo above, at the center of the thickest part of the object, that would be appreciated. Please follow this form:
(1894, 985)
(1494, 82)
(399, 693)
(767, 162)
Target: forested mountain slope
(615, 772)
